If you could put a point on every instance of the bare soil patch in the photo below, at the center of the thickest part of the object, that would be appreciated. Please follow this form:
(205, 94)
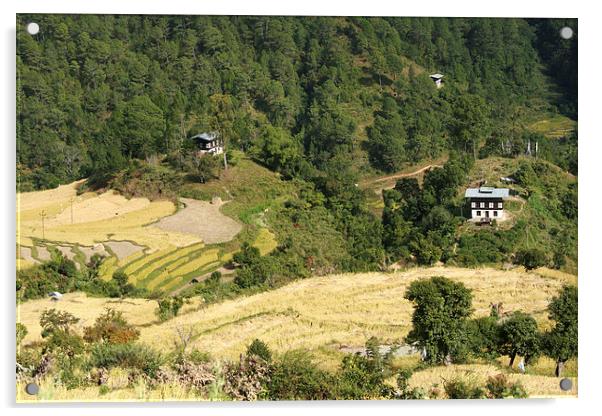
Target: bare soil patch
(123, 249)
(43, 253)
(90, 251)
(202, 219)
(25, 254)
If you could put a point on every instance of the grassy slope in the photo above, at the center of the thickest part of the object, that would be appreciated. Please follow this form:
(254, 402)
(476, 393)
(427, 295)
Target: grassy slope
(322, 314)
(317, 313)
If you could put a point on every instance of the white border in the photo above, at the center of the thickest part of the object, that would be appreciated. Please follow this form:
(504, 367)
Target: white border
(590, 153)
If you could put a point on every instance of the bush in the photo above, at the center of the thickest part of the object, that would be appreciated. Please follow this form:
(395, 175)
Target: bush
(296, 377)
(532, 258)
(111, 327)
(260, 349)
(134, 356)
(498, 387)
(169, 307)
(460, 389)
(247, 379)
(21, 332)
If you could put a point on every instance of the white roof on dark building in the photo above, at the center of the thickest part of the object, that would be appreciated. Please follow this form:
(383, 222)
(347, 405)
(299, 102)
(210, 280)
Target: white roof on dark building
(207, 137)
(487, 192)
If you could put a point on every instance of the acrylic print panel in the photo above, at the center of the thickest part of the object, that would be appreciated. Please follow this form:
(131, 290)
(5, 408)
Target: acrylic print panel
(295, 208)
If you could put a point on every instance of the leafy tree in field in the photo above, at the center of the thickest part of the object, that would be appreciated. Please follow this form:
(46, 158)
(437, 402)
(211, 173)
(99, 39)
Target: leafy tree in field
(441, 309)
(519, 336)
(532, 258)
(58, 332)
(561, 342)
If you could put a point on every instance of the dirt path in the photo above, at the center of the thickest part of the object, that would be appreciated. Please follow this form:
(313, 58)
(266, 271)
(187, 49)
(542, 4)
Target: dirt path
(405, 175)
(388, 182)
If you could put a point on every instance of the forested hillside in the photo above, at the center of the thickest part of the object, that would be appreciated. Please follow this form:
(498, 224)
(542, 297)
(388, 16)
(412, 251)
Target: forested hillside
(299, 93)
(324, 101)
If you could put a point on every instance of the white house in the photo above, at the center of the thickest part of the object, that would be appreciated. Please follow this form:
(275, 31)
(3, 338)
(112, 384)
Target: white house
(486, 203)
(437, 79)
(209, 143)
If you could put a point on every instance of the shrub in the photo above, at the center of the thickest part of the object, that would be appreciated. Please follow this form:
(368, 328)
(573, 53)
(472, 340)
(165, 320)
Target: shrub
(404, 391)
(461, 389)
(135, 356)
(498, 387)
(56, 330)
(111, 327)
(21, 332)
(260, 349)
(362, 377)
(247, 379)
(532, 258)
(296, 377)
(169, 307)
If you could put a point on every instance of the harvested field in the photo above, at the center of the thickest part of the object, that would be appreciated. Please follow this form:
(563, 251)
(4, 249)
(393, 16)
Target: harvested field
(96, 218)
(536, 385)
(136, 311)
(202, 219)
(326, 312)
(33, 200)
(123, 249)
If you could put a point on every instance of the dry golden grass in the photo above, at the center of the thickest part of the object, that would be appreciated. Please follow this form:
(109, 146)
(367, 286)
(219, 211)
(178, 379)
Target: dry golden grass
(96, 218)
(321, 314)
(50, 392)
(136, 311)
(535, 385)
(34, 200)
(318, 312)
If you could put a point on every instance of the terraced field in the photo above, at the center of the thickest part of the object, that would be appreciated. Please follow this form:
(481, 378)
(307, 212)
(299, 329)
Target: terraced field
(325, 314)
(147, 240)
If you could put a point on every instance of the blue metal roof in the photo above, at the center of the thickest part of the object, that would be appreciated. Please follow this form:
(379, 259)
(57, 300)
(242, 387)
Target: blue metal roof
(487, 192)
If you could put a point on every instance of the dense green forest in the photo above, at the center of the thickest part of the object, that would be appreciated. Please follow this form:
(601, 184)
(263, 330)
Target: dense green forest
(94, 91)
(324, 101)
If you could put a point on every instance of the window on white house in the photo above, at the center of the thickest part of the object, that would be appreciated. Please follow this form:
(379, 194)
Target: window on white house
(482, 205)
(473, 204)
(478, 213)
(495, 213)
(491, 205)
(499, 205)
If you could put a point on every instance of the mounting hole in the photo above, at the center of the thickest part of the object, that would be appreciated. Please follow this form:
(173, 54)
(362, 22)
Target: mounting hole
(566, 32)
(566, 384)
(32, 389)
(33, 28)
